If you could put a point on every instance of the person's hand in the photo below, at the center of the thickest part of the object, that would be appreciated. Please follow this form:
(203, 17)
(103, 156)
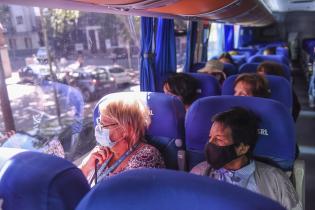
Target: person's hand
(7, 135)
(99, 154)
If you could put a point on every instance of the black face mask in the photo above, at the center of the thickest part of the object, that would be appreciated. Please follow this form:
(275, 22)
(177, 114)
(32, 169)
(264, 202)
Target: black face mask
(218, 156)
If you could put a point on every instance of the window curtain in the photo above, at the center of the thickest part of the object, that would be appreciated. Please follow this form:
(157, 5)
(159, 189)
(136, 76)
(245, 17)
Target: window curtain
(228, 37)
(165, 60)
(246, 36)
(205, 40)
(191, 45)
(147, 77)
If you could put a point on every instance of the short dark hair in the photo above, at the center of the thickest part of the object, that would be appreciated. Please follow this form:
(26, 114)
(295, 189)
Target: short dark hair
(270, 51)
(227, 56)
(183, 85)
(271, 68)
(243, 124)
(259, 85)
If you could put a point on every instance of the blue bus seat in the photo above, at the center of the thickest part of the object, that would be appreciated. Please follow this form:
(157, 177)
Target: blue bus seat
(282, 51)
(229, 69)
(157, 189)
(166, 131)
(239, 59)
(33, 180)
(281, 89)
(252, 68)
(208, 85)
(276, 58)
(276, 141)
(195, 67)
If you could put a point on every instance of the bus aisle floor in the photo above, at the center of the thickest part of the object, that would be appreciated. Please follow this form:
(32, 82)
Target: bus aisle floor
(305, 137)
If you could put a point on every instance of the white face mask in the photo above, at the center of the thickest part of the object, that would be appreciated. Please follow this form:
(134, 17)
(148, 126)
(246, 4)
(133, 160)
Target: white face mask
(102, 137)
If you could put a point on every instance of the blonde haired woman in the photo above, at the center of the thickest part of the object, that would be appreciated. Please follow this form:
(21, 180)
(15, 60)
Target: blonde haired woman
(120, 132)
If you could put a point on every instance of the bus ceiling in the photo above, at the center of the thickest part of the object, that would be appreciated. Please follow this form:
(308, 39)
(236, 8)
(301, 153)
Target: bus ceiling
(242, 12)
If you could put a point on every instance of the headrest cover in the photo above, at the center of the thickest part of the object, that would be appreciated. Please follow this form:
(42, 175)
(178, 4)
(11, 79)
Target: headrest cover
(167, 112)
(154, 189)
(208, 85)
(276, 58)
(277, 133)
(33, 180)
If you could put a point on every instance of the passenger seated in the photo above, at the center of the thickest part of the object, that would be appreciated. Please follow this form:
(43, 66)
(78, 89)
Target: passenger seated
(120, 132)
(226, 58)
(269, 51)
(272, 68)
(215, 68)
(232, 139)
(251, 85)
(183, 86)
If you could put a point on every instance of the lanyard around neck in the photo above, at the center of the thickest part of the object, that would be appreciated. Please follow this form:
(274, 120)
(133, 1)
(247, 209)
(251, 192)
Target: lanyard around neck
(101, 174)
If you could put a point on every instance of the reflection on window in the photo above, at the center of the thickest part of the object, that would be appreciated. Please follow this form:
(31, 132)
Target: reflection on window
(92, 55)
(216, 40)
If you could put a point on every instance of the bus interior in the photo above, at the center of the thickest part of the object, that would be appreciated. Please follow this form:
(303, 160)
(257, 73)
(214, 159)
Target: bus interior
(59, 60)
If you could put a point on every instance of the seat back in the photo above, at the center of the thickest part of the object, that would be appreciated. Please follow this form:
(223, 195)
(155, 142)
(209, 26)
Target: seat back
(275, 58)
(281, 89)
(276, 141)
(252, 68)
(157, 189)
(166, 131)
(229, 69)
(239, 59)
(282, 51)
(195, 67)
(33, 180)
(208, 85)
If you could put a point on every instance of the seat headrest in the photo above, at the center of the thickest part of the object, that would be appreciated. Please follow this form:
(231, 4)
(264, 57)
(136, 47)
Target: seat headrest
(276, 130)
(167, 112)
(281, 89)
(276, 58)
(252, 68)
(157, 189)
(195, 67)
(208, 85)
(33, 180)
(229, 69)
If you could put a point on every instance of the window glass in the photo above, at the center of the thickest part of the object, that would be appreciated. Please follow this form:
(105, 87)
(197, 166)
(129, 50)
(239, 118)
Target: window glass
(52, 90)
(216, 40)
(236, 35)
(180, 27)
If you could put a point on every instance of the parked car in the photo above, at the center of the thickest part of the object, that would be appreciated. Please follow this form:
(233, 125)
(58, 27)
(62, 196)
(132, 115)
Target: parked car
(42, 55)
(118, 53)
(35, 73)
(119, 73)
(92, 81)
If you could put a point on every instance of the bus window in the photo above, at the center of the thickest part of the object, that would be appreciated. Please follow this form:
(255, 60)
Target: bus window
(216, 40)
(52, 109)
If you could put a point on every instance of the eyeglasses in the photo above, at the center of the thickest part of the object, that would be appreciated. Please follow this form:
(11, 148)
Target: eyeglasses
(99, 123)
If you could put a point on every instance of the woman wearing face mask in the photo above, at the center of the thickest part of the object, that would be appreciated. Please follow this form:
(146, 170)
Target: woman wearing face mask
(120, 133)
(232, 139)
